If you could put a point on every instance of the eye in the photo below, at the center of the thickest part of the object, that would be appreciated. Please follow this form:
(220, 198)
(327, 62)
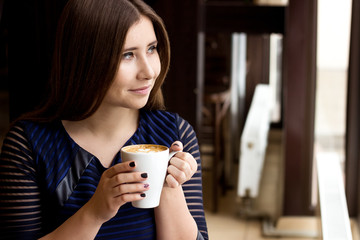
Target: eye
(152, 49)
(128, 55)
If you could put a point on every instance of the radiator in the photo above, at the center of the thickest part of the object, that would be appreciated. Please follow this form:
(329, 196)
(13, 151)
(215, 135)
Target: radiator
(254, 141)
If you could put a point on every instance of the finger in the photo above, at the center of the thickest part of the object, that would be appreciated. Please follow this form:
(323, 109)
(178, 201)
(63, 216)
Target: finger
(130, 197)
(181, 165)
(131, 177)
(120, 168)
(184, 160)
(176, 146)
(191, 161)
(171, 181)
(178, 175)
(193, 164)
(130, 188)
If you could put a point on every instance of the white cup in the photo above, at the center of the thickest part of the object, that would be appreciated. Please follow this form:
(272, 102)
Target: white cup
(153, 160)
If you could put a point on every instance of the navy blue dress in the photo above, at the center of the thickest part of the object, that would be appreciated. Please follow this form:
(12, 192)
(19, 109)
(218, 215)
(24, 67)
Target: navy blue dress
(45, 177)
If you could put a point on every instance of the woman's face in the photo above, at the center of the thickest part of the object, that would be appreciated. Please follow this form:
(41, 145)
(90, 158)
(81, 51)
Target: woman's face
(138, 68)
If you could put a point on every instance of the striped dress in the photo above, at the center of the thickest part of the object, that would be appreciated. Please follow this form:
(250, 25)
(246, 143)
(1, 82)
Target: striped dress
(45, 177)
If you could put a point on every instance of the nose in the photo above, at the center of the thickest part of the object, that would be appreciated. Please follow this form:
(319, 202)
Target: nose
(146, 69)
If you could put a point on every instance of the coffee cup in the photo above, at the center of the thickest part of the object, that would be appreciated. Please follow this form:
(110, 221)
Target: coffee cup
(151, 159)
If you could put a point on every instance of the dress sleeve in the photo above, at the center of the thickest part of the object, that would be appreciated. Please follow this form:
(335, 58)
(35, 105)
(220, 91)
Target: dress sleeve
(193, 187)
(20, 212)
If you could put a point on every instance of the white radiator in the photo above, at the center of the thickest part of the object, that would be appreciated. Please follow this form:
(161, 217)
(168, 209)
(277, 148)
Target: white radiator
(335, 222)
(254, 141)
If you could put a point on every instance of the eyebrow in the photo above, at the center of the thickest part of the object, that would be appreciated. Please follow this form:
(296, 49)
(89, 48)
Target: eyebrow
(134, 48)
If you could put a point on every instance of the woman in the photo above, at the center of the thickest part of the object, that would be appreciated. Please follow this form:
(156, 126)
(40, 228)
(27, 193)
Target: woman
(61, 173)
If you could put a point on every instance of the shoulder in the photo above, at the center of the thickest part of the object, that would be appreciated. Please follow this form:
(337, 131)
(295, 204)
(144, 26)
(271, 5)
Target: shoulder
(32, 129)
(160, 114)
(166, 116)
(172, 119)
(159, 118)
(36, 134)
(18, 130)
(170, 126)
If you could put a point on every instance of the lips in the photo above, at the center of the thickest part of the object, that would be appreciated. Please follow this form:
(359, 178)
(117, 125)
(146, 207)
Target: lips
(142, 90)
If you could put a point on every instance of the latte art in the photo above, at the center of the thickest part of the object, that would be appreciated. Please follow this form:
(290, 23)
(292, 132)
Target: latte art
(144, 148)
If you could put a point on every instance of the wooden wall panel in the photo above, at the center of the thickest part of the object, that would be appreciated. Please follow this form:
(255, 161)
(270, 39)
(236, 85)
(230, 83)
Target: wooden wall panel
(299, 104)
(352, 180)
(182, 19)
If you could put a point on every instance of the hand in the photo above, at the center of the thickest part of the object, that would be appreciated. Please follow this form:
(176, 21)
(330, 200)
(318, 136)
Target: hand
(182, 166)
(117, 186)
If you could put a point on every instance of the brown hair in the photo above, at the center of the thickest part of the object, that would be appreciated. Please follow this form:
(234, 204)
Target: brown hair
(88, 48)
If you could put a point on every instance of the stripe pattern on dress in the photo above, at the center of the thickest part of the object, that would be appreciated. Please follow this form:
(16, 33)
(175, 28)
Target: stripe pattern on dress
(42, 182)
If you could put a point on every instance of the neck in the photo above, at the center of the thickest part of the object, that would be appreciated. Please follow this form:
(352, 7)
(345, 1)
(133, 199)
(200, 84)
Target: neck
(104, 133)
(106, 124)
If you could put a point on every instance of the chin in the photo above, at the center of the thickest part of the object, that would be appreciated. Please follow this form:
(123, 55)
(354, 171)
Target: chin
(138, 106)
(134, 103)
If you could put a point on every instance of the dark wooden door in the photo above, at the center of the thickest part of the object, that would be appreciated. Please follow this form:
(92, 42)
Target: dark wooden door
(299, 104)
(352, 169)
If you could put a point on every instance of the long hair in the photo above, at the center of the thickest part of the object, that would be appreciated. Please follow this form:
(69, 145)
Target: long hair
(88, 48)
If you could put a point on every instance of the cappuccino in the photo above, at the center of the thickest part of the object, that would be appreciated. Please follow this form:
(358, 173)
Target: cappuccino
(144, 148)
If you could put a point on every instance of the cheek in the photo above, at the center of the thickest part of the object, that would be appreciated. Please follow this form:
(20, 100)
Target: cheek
(124, 76)
(156, 65)
(120, 81)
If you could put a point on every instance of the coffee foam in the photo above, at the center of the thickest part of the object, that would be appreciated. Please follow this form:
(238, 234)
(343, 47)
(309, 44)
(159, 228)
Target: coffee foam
(144, 148)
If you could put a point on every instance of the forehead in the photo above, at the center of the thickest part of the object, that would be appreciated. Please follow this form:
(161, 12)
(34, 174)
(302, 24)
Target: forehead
(141, 32)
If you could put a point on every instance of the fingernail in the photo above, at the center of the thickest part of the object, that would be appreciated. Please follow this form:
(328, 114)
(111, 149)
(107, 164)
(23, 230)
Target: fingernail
(146, 185)
(143, 195)
(132, 164)
(144, 175)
